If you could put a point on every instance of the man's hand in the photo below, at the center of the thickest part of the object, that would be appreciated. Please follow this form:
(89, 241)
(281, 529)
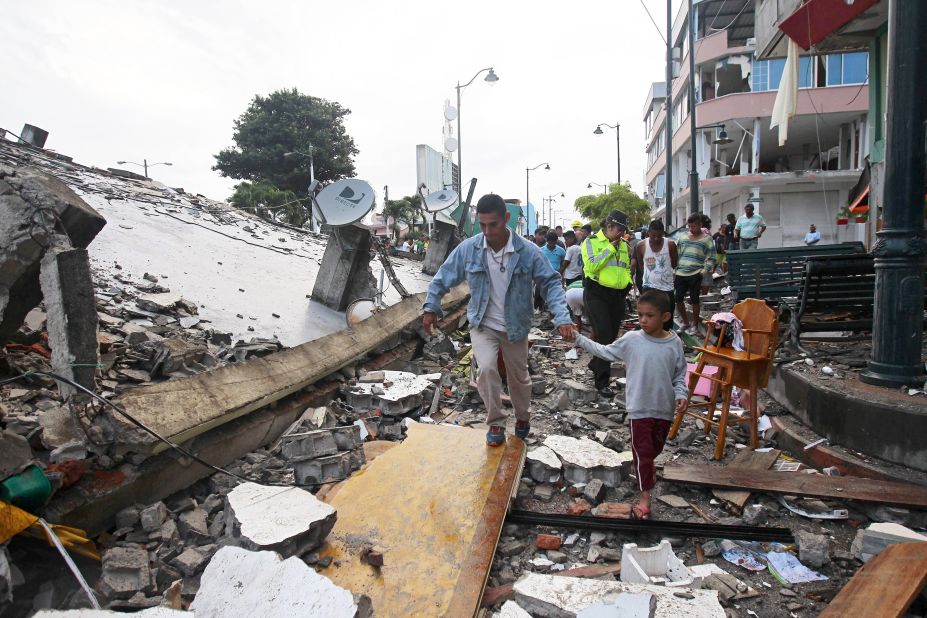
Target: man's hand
(681, 405)
(704, 289)
(568, 332)
(429, 320)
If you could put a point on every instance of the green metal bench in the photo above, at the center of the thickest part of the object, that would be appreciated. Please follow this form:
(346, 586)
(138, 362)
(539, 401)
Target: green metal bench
(836, 294)
(774, 274)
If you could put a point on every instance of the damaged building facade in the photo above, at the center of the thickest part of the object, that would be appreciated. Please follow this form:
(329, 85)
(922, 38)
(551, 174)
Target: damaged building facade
(807, 180)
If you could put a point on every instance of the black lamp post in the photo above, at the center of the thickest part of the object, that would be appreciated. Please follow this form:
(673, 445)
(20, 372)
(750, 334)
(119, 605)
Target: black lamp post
(898, 329)
(617, 127)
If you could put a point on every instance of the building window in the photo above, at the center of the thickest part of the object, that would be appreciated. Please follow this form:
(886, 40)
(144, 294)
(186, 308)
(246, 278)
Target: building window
(848, 68)
(767, 74)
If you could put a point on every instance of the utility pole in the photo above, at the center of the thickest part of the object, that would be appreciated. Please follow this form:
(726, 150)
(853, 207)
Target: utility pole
(693, 174)
(668, 124)
(901, 249)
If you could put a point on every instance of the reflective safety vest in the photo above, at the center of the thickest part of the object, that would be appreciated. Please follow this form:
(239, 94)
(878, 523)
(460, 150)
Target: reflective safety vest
(606, 265)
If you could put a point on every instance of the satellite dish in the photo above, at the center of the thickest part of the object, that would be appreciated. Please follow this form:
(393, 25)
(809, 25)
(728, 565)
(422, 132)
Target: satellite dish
(439, 200)
(359, 310)
(450, 113)
(450, 144)
(345, 201)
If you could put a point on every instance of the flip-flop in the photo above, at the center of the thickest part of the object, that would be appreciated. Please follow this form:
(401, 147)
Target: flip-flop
(640, 512)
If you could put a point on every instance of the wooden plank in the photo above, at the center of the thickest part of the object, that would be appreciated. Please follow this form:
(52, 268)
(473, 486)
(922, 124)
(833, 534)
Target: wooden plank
(435, 505)
(798, 483)
(751, 460)
(183, 409)
(886, 585)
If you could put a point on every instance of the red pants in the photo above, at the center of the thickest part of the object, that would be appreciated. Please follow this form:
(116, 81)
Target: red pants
(648, 435)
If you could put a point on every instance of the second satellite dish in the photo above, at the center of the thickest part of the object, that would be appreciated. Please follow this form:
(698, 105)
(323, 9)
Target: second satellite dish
(345, 201)
(450, 144)
(439, 200)
(450, 112)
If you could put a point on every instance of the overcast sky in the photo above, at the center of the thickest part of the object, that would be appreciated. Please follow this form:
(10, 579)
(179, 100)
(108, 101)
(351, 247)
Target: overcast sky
(114, 80)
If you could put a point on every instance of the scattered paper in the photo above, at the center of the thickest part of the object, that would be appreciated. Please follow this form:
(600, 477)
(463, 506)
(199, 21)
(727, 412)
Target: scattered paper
(834, 514)
(763, 423)
(786, 568)
(571, 354)
(742, 557)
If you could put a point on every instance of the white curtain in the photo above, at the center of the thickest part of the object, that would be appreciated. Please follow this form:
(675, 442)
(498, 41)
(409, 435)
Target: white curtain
(787, 96)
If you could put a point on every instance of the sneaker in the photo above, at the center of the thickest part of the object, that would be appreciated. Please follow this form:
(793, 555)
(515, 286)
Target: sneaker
(607, 392)
(495, 436)
(522, 428)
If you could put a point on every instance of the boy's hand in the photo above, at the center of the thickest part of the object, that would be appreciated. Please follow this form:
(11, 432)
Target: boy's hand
(568, 332)
(429, 320)
(681, 405)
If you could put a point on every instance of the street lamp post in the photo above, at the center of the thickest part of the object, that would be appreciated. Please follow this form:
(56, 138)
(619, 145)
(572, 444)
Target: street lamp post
(491, 78)
(144, 164)
(311, 176)
(589, 186)
(550, 207)
(721, 139)
(617, 127)
(528, 171)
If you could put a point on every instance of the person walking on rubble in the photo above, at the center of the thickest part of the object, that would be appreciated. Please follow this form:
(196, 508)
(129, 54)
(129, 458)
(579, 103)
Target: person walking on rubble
(500, 268)
(607, 270)
(656, 366)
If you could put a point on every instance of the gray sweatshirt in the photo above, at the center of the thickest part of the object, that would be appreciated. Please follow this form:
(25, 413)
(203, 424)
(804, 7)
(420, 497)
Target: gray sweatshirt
(656, 371)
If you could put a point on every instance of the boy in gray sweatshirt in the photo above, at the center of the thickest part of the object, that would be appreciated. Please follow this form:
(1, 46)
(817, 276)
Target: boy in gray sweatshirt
(656, 367)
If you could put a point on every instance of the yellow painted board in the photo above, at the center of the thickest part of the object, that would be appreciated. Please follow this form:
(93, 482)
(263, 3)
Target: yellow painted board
(435, 506)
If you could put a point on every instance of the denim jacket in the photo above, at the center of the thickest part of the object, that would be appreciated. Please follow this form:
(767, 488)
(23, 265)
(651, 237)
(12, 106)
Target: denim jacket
(526, 266)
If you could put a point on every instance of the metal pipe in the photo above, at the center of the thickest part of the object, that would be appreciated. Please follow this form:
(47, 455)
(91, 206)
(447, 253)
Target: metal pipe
(901, 250)
(670, 528)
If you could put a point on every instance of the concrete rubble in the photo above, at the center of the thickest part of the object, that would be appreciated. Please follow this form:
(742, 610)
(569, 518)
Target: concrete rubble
(546, 596)
(584, 460)
(239, 582)
(287, 520)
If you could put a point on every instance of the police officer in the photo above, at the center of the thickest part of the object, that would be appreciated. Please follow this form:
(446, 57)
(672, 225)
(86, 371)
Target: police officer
(607, 270)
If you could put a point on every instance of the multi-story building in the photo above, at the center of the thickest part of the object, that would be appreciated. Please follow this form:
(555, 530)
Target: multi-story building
(738, 157)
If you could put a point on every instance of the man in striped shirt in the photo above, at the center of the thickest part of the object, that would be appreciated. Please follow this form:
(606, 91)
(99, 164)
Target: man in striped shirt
(693, 272)
(749, 228)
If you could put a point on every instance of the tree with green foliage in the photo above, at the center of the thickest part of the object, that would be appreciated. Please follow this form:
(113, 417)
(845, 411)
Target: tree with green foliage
(407, 210)
(287, 121)
(270, 203)
(619, 197)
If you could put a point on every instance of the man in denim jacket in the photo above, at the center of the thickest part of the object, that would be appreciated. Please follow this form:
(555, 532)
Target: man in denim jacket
(500, 268)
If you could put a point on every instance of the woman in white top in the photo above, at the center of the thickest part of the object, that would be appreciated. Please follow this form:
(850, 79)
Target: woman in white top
(653, 263)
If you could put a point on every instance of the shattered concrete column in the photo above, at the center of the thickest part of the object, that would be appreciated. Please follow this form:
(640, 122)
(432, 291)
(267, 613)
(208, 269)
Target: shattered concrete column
(33, 207)
(67, 286)
(443, 241)
(345, 274)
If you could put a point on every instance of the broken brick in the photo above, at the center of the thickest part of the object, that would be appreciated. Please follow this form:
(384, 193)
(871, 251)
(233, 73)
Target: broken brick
(548, 541)
(579, 507)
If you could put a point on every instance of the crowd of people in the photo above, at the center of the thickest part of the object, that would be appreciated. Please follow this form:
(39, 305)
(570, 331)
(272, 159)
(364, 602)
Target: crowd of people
(584, 278)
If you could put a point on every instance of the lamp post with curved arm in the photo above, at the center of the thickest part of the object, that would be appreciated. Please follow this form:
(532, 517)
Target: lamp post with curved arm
(528, 171)
(491, 78)
(550, 207)
(617, 127)
(144, 164)
(589, 186)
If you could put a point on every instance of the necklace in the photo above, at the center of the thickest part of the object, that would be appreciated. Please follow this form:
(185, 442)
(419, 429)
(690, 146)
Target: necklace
(500, 260)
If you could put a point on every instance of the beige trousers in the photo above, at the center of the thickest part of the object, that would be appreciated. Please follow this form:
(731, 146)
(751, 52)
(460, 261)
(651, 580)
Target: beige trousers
(486, 345)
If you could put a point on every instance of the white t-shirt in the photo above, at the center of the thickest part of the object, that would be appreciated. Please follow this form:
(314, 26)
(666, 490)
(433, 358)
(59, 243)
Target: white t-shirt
(494, 317)
(405, 246)
(574, 269)
(574, 300)
(812, 237)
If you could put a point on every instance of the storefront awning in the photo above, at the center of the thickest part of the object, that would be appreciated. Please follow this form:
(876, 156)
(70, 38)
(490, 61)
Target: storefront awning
(816, 19)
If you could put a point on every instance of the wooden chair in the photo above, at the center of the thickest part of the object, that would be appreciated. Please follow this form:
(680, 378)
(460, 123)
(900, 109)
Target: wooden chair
(747, 369)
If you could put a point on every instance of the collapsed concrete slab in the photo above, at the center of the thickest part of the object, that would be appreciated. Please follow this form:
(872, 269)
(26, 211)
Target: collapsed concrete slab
(239, 582)
(125, 572)
(287, 520)
(584, 459)
(510, 609)
(549, 596)
(33, 207)
(626, 605)
(185, 408)
(443, 240)
(15, 454)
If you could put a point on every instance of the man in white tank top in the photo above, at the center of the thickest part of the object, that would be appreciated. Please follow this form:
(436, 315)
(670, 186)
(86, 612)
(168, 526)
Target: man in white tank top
(653, 262)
